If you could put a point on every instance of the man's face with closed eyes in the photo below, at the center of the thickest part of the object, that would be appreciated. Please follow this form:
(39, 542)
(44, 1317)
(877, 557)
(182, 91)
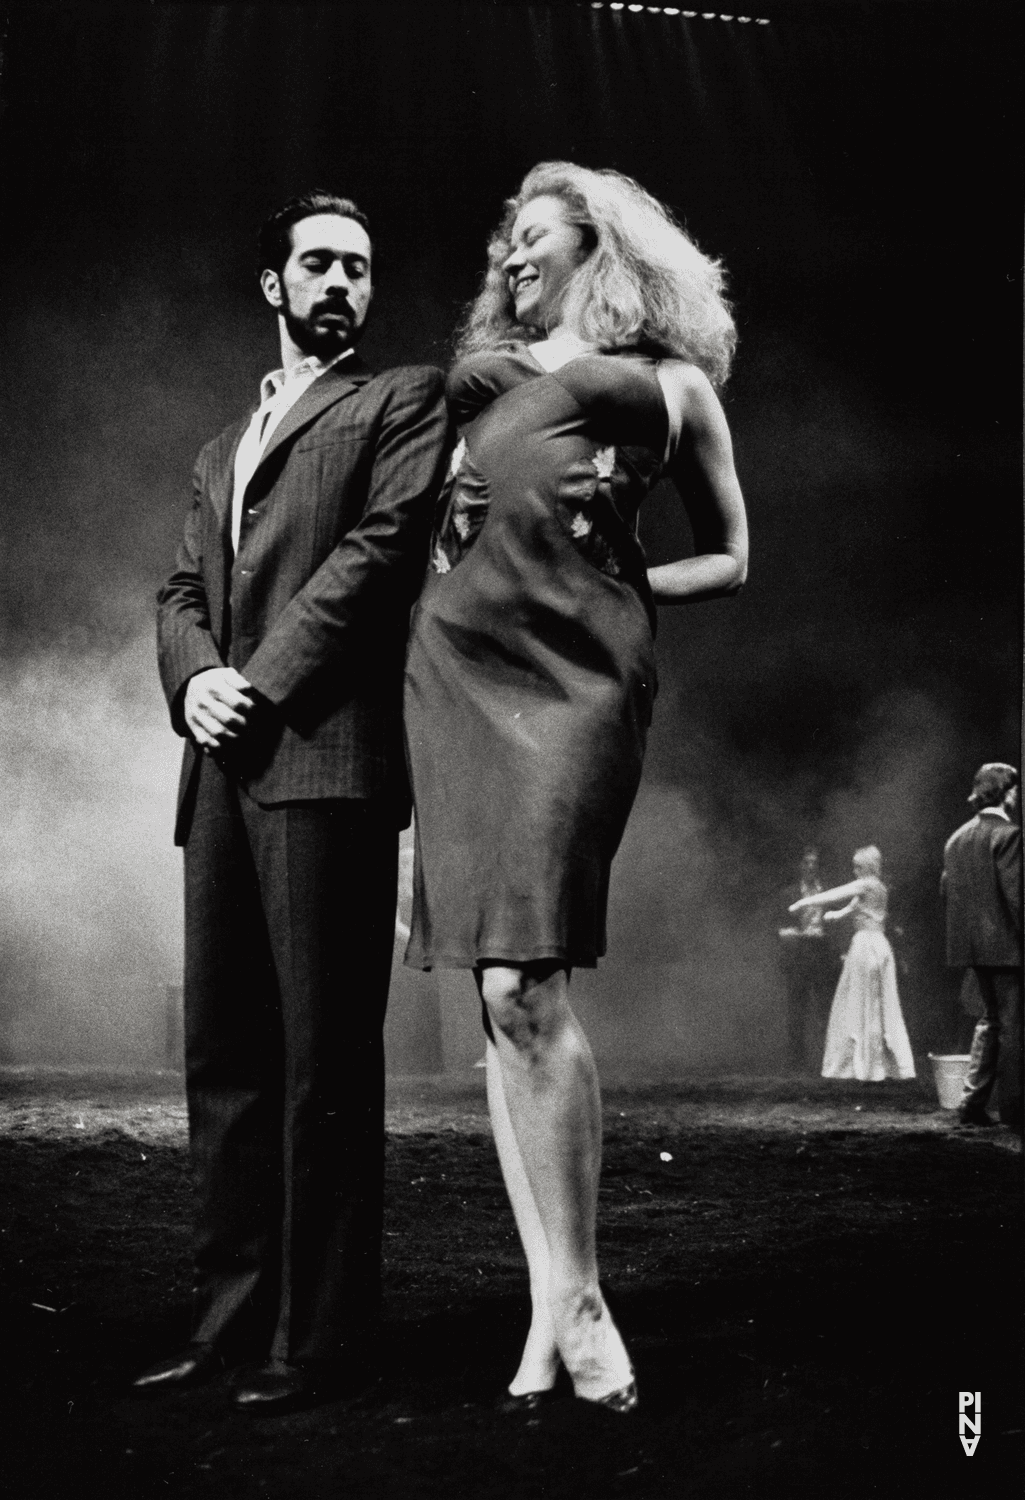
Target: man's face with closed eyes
(324, 288)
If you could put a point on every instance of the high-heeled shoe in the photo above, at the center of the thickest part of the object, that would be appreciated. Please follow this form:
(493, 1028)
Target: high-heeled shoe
(622, 1401)
(529, 1401)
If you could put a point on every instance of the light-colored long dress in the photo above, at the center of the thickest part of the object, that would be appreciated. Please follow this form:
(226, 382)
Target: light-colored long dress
(866, 1037)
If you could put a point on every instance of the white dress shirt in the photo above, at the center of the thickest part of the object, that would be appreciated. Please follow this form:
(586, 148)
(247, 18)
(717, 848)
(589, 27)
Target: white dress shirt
(278, 394)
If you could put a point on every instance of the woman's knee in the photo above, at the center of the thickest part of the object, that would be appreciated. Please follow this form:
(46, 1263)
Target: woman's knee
(527, 1008)
(500, 986)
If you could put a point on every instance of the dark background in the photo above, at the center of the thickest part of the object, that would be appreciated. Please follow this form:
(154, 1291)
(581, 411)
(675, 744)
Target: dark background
(857, 168)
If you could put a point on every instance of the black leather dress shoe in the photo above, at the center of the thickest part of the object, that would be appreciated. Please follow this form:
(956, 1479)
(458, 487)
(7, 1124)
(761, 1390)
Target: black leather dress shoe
(973, 1114)
(527, 1403)
(279, 1387)
(190, 1366)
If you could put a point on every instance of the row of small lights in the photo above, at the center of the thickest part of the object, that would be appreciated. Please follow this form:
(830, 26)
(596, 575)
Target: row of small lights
(672, 10)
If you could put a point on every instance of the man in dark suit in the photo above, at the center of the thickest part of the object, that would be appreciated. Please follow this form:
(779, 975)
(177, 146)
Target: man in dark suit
(281, 641)
(809, 969)
(982, 888)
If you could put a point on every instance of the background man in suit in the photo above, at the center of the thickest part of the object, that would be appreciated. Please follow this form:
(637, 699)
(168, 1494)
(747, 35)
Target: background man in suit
(809, 967)
(982, 886)
(281, 640)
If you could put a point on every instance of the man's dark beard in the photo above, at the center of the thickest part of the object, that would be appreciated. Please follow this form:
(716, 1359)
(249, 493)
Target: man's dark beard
(324, 342)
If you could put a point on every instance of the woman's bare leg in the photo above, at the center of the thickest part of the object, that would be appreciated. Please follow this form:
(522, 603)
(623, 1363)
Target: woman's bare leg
(539, 1364)
(550, 1088)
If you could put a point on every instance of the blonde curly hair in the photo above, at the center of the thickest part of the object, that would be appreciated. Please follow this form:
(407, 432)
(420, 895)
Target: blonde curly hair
(644, 284)
(869, 861)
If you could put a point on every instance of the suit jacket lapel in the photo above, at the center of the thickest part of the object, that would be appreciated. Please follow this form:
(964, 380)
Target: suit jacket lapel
(217, 544)
(222, 482)
(340, 380)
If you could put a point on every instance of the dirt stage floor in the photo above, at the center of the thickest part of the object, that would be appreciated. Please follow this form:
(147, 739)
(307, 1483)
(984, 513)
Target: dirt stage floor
(806, 1283)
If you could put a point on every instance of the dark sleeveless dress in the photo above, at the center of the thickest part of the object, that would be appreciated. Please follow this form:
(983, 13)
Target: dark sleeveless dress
(530, 675)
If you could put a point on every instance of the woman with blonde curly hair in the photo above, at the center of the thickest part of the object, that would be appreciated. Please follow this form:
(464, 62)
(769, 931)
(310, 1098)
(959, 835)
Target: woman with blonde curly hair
(587, 370)
(866, 1037)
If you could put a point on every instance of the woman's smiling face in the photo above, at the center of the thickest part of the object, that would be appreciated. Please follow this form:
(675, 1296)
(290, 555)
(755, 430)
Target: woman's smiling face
(546, 250)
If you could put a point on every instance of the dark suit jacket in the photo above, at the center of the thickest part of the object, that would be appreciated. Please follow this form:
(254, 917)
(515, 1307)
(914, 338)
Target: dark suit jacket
(982, 887)
(315, 608)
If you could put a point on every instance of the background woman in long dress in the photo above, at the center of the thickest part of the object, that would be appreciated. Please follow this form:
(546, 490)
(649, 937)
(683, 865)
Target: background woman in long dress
(587, 371)
(866, 1037)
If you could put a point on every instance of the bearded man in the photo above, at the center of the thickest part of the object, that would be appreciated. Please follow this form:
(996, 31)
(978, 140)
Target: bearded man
(281, 641)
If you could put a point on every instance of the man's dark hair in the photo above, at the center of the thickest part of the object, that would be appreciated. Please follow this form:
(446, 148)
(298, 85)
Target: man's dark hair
(275, 244)
(992, 783)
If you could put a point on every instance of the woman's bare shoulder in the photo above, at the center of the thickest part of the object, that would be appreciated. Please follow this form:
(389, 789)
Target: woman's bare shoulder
(690, 393)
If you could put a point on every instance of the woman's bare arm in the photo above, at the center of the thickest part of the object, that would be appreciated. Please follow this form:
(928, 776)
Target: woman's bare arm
(704, 475)
(853, 889)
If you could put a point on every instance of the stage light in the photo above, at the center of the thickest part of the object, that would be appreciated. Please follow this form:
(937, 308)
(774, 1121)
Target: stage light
(674, 10)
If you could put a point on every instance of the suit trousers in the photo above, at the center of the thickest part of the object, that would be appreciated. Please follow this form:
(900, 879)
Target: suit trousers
(289, 931)
(996, 1054)
(810, 972)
